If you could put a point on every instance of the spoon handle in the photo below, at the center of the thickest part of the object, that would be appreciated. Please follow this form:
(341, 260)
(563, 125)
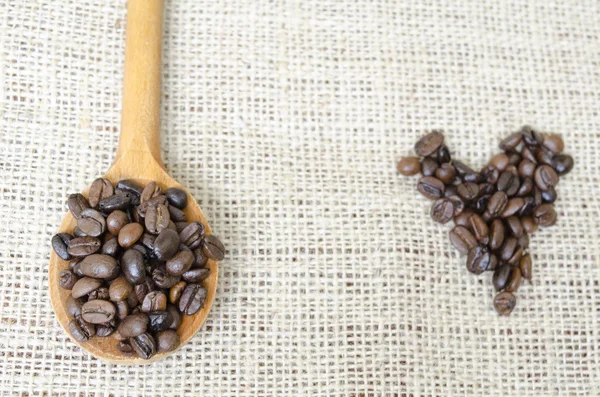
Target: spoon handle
(141, 82)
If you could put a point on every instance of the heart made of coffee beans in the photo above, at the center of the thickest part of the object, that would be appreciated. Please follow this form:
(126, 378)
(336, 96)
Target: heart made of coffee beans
(496, 209)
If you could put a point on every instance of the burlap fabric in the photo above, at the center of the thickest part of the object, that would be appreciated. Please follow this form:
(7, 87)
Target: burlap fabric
(285, 119)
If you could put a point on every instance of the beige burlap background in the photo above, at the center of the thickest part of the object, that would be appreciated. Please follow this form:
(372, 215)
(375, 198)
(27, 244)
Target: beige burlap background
(285, 119)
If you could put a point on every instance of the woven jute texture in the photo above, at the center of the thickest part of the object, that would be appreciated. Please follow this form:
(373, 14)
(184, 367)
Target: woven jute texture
(285, 119)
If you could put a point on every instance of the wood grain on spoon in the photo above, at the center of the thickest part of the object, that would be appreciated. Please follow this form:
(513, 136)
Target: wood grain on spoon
(138, 158)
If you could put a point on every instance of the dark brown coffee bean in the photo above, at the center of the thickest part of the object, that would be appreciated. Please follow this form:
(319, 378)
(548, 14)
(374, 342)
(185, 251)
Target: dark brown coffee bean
(213, 248)
(466, 173)
(100, 293)
(501, 276)
(514, 226)
(497, 234)
(544, 157)
(458, 204)
(528, 154)
(60, 244)
(106, 329)
(119, 201)
(83, 246)
(166, 244)
(100, 189)
(462, 239)
(514, 281)
(129, 186)
(562, 164)
(81, 330)
(497, 204)
(479, 228)
(442, 211)
(445, 173)
(125, 348)
(176, 215)
(141, 290)
(490, 175)
(463, 218)
(178, 197)
(111, 247)
(431, 187)
(428, 144)
(192, 299)
(428, 166)
(99, 266)
(513, 206)
(523, 241)
(526, 169)
(67, 279)
(180, 226)
(173, 309)
(509, 183)
(130, 234)
(468, 191)
(553, 143)
(153, 301)
(531, 137)
(508, 248)
(442, 155)
(529, 224)
(73, 306)
(409, 166)
(180, 263)
(143, 345)
(517, 255)
(77, 203)
(537, 196)
(157, 218)
(545, 215)
(122, 309)
(176, 291)
(133, 266)
(167, 341)
(450, 191)
(500, 161)
(480, 259)
(159, 321)
(115, 221)
(525, 265)
(515, 159)
(482, 203)
(196, 275)
(91, 222)
(120, 289)
(147, 240)
(528, 206)
(142, 249)
(511, 142)
(98, 311)
(192, 235)
(133, 325)
(549, 196)
(200, 259)
(526, 187)
(504, 303)
(486, 189)
(150, 191)
(163, 279)
(545, 177)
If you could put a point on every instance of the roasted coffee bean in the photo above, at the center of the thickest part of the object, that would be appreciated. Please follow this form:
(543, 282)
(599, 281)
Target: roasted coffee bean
(172, 226)
(119, 201)
(428, 144)
(486, 189)
(143, 345)
(554, 143)
(177, 215)
(517, 255)
(83, 246)
(176, 291)
(526, 169)
(196, 275)
(537, 196)
(513, 206)
(120, 289)
(407, 166)
(509, 183)
(450, 191)
(549, 196)
(143, 208)
(99, 266)
(500, 161)
(468, 191)
(124, 347)
(166, 244)
(514, 226)
(139, 247)
(529, 224)
(480, 259)
(511, 142)
(181, 263)
(91, 222)
(504, 303)
(147, 240)
(525, 265)
(130, 234)
(100, 293)
(443, 155)
(133, 325)
(526, 187)
(515, 159)
(77, 203)
(129, 186)
(180, 225)
(163, 279)
(545, 215)
(100, 189)
(132, 300)
(508, 248)
(111, 247)
(545, 177)
(60, 244)
(74, 267)
(141, 290)
(176, 316)
(192, 299)
(523, 241)
(200, 259)
(106, 329)
(563, 164)
(490, 175)
(98, 311)
(178, 197)
(479, 228)
(497, 204)
(81, 330)
(463, 218)
(167, 341)
(132, 266)
(115, 221)
(78, 233)
(157, 218)
(73, 306)
(529, 154)
(466, 173)
(544, 157)
(514, 280)
(159, 321)
(445, 173)
(442, 210)
(150, 191)
(213, 248)
(462, 239)
(192, 235)
(431, 187)
(531, 137)
(428, 166)
(153, 301)
(497, 234)
(501, 276)
(67, 279)
(528, 206)
(457, 203)
(122, 309)
(482, 203)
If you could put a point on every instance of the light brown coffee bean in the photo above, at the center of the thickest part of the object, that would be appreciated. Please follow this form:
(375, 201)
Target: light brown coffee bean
(130, 234)
(525, 265)
(504, 303)
(91, 222)
(115, 221)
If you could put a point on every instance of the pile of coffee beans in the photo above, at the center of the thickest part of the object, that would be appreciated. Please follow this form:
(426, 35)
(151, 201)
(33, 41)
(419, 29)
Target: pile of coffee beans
(136, 265)
(496, 209)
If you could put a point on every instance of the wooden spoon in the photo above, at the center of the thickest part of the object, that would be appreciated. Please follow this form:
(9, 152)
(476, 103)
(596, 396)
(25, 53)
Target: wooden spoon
(138, 158)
